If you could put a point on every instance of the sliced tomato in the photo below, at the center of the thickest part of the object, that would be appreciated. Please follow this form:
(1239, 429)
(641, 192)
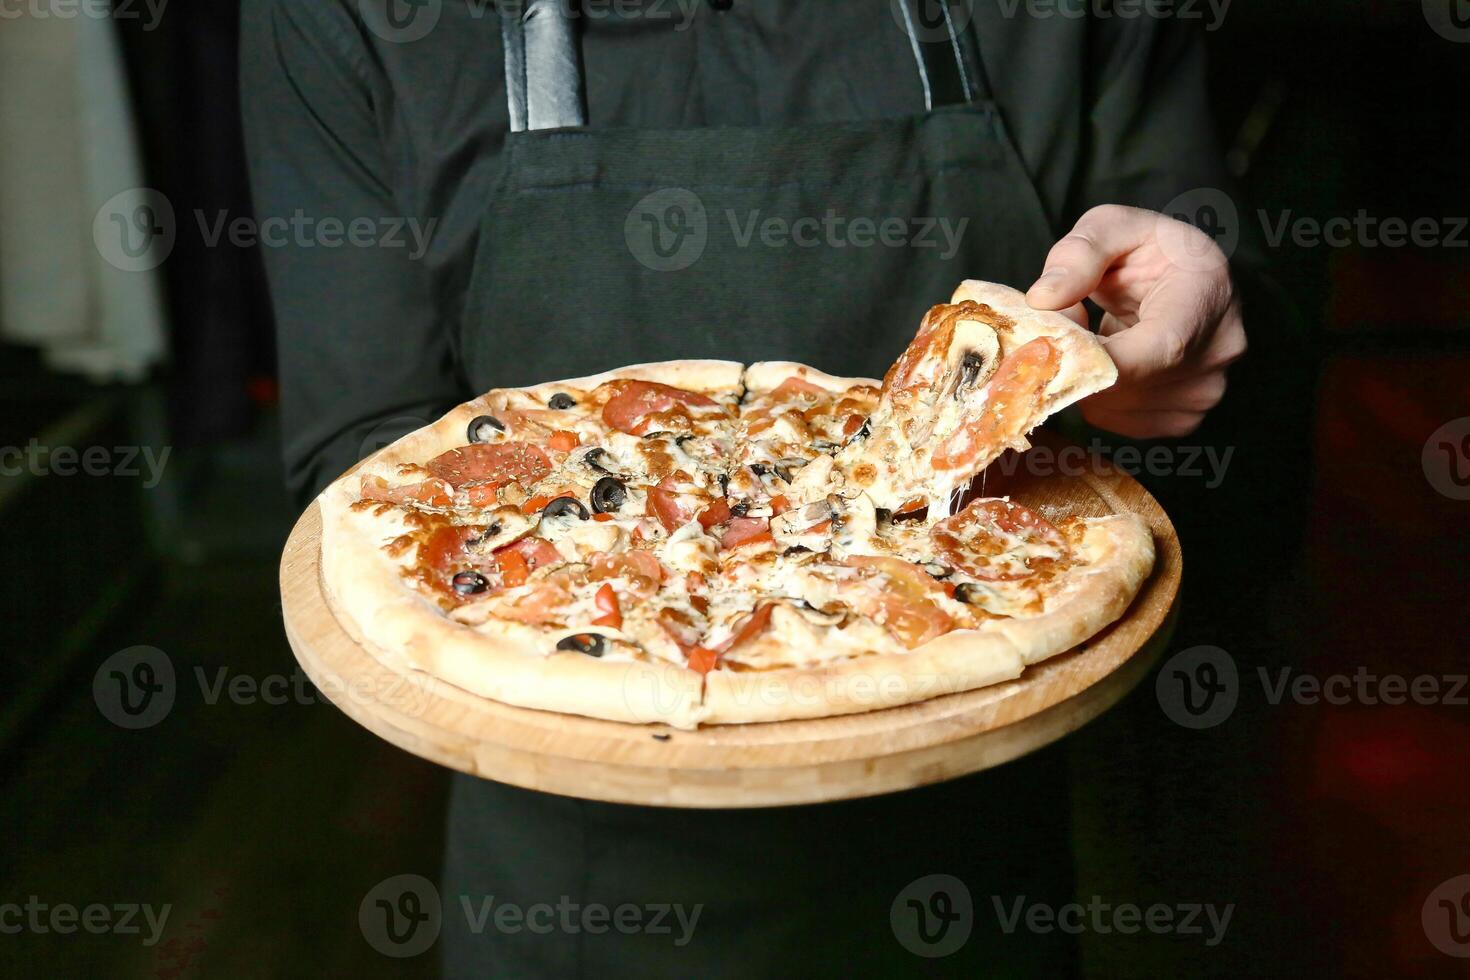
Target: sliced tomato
(716, 513)
(900, 596)
(1012, 407)
(532, 505)
(746, 530)
(425, 493)
(751, 627)
(538, 552)
(514, 569)
(502, 461)
(606, 601)
(482, 494)
(633, 402)
(998, 540)
(779, 505)
(563, 441)
(603, 518)
(703, 660)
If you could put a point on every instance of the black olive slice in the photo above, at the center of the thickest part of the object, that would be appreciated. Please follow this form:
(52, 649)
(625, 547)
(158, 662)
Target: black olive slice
(936, 570)
(565, 505)
(795, 549)
(597, 459)
(759, 469)
(476, 432)
(660, 434)
(883, 515)
(968, 592)
(917, 514)
(592, 644)
(470, 583)
(608, 495)
(724, 481)
(740, 509)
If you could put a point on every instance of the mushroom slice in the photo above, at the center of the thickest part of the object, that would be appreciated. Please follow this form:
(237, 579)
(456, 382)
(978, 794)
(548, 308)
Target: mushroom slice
(503, 526)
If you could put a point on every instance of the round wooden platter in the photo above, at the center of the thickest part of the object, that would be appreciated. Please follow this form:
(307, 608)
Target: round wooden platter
(772, 764)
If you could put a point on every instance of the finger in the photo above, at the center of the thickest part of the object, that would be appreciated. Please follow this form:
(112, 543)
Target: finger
(1076, 264)
(1077, 314)
(1178, 319)
(1197, 393)
(1112, 324)
(1144, 425)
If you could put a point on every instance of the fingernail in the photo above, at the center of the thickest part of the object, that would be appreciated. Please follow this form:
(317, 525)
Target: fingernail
(1049, 279)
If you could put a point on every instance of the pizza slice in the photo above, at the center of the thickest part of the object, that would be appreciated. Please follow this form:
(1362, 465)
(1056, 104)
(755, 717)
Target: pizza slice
(980, 374)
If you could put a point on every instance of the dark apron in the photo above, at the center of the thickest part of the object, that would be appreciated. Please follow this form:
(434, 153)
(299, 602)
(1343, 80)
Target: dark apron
(822, 244)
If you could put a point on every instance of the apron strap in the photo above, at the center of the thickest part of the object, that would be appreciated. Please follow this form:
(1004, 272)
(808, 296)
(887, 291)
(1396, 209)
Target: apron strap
(945, 51)
(543, 70)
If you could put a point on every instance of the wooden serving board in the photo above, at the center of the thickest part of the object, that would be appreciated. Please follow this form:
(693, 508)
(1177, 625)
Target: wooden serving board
(771, 764)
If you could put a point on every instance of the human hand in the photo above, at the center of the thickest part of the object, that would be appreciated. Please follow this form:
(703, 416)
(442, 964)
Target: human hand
(1172, 320)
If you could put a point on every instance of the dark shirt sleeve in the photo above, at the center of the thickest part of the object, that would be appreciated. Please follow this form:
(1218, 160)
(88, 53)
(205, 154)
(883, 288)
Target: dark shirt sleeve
(365, 355)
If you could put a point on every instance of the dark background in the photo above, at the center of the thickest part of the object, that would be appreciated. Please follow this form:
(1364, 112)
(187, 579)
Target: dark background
(1325, 550)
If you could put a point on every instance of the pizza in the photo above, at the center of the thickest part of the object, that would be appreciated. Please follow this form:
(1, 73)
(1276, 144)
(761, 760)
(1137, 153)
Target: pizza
(706, 542)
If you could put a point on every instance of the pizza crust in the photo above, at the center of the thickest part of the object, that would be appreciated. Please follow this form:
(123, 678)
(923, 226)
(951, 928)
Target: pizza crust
(765, 376)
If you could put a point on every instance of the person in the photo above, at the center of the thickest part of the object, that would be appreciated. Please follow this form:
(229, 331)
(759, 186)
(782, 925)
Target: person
(537, 190)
